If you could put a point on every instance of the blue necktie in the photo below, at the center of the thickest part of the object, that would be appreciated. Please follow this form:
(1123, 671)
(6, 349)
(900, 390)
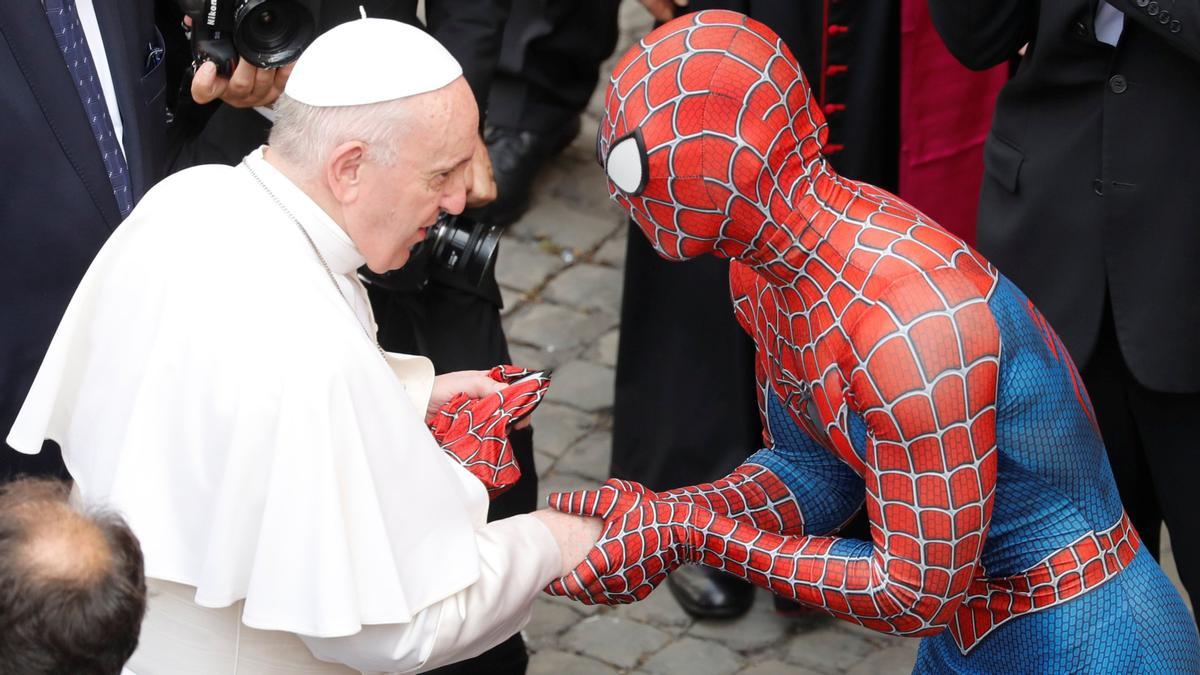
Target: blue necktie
(64, 20)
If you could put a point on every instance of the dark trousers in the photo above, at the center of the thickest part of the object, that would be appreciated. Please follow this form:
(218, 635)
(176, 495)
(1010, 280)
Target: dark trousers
(1152, 440)
(459, 330)
(550, 61)
(685, 409)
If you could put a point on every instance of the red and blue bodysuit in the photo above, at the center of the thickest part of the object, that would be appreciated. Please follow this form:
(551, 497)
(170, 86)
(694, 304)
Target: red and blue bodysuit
(896, 368)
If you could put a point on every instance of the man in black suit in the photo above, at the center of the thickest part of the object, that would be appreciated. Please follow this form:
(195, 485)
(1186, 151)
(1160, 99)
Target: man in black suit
(58, 205)
(1090, 205)
(83, 137)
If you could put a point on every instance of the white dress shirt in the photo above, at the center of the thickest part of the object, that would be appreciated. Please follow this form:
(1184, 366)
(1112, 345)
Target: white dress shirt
(1110, 22)
(95, 41)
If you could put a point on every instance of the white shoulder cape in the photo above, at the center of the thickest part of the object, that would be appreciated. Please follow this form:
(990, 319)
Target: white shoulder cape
(210, 383)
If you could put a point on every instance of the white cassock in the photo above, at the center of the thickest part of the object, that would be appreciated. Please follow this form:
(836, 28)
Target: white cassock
(215, 386)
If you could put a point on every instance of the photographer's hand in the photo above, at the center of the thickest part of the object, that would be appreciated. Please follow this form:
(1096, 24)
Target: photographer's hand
(481, 184)
(247, 87)
(662, 10)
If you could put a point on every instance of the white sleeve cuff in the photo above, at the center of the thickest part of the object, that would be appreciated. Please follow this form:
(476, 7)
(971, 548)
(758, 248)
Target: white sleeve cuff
(518, 557)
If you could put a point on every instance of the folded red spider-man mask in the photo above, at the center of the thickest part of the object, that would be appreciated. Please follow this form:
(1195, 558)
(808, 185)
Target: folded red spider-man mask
(474, 431)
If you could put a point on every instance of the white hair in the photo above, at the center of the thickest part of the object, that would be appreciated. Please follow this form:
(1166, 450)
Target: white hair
(303, 135)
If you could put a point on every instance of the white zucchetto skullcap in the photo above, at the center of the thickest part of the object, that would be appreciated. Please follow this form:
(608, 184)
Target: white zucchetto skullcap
(369, 61)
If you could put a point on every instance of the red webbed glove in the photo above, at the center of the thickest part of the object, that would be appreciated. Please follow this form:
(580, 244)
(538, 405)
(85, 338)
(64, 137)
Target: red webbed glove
(474, 431)
(638, 518)
(644, 539)
(751, 494)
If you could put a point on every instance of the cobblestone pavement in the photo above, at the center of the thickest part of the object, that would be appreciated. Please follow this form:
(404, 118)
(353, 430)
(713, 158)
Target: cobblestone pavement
(560, 273)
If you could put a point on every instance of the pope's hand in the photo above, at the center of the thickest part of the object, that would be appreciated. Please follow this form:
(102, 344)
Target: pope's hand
(246, 87)
(575, 536)
(474, 424)
(644, 540)
(473, 383)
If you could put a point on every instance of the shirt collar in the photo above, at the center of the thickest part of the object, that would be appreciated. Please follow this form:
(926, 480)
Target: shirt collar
(331, 240)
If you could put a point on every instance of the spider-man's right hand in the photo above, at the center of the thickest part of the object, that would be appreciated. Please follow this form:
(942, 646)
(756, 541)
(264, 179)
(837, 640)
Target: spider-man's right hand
(643, 540)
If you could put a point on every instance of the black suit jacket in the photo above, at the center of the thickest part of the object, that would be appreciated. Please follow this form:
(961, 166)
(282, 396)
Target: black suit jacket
(1093, 176)
(56, 203)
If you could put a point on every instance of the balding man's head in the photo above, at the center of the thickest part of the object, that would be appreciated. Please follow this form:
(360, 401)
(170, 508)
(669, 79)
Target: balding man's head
(72, 590)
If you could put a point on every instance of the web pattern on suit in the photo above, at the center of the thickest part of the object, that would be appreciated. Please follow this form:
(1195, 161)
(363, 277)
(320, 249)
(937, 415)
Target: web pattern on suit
(875, 337)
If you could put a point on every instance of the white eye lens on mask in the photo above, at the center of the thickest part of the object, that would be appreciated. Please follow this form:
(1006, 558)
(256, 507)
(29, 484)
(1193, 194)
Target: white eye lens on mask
(626, 165)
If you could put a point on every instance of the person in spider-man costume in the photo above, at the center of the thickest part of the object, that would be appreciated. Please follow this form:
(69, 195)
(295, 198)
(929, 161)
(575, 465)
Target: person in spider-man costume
(895, 365)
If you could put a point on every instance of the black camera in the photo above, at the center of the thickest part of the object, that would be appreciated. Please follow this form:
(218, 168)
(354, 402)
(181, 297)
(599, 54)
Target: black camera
(457, 249)
(463, 245)
(267, 33)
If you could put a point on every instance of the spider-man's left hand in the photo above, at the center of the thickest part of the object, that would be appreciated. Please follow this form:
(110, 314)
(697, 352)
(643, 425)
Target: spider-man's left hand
(643, 540)
(474, 431)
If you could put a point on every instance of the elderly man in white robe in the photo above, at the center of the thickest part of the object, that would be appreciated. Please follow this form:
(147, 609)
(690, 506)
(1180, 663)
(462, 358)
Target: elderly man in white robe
(216, 380)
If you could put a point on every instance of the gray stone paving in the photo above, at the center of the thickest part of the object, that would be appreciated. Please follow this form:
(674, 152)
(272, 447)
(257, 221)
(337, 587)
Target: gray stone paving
(560, 274)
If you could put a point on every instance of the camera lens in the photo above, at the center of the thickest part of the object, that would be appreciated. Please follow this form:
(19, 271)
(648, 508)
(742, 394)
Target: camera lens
(272, 33)
(463, 246)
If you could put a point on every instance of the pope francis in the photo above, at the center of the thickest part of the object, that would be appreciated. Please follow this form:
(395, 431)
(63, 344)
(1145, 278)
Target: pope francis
(216, 380)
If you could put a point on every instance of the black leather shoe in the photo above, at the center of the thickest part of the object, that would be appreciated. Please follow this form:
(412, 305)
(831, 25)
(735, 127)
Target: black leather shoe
(706, 593)
(517, 155)
(794, 610)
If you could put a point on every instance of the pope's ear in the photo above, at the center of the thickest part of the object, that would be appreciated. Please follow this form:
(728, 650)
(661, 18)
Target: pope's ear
(343, 170)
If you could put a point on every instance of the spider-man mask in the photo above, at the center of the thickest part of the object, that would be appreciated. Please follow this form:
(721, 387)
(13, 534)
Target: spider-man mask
(707, 134)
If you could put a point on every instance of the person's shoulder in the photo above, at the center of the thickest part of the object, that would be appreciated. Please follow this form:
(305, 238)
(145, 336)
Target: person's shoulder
(198, 192)
(199, 182)
(191, 222)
